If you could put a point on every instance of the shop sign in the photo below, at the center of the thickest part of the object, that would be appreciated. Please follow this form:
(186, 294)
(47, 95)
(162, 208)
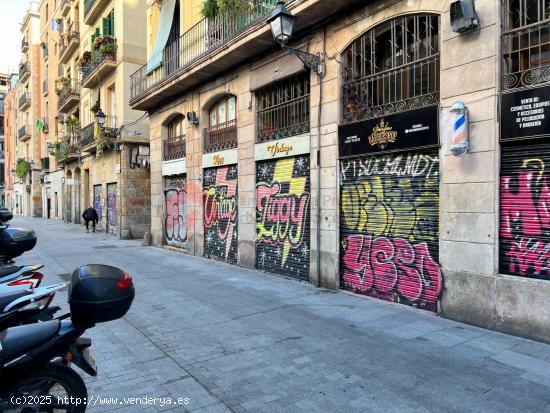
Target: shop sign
(413, 129)
(221, 158)
(281, 148)
(525, 114)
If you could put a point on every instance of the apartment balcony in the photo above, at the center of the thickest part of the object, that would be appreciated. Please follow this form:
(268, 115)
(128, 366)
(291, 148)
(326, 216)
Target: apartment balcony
(213, 46)
(88, 138)
(45, 87)
(69, 96)
(24, 72)
(220, 137)
(174, 149)
(93, 9)
(24, 133)
(25, 101)
(98, 67)
(45, 52)
(24, 45)
(68, 43)
(65, 7)
(67, 151)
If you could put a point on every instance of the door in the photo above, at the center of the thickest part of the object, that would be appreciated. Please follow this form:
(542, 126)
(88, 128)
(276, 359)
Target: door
(524, 213)
(220, 212)
(389, 227)
(97, 204)
(283, 216)
(77, 199)
(112, 209)
(68, 203)
(175, 210)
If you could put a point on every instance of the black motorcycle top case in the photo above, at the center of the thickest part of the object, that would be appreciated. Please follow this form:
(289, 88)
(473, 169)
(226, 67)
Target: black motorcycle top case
(96, 294)
(5, 215)
(16, 241)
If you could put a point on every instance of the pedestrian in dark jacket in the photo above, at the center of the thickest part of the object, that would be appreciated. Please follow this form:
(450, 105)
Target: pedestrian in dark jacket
(90, 215)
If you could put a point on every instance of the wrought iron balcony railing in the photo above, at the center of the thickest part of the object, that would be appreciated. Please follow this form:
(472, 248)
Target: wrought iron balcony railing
(97, 58)
(200, 40)
(407, 87)
(220, 137)
(526, 54)
(88, 135)
(24, 100)
(23, 70)
(24, 132)
(68, 91)
(174, 148)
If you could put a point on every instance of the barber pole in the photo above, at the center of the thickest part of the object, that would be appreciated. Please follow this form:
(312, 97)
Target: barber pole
(459, 121)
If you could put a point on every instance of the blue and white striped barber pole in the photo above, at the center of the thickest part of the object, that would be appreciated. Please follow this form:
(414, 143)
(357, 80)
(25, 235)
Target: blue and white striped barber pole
(459, 123)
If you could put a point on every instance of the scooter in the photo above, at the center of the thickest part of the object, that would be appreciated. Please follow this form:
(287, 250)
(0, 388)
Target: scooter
(36, 360)
(25, 306)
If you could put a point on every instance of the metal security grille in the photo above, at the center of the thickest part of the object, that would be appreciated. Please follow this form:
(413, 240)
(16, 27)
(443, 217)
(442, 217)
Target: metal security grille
(112, 209)
(220, 212)
(175, 210)
(392, 68)
(526, 43)
(283, 200)
(389, 223)
(97, 203)
(524, 213)
(283, 108)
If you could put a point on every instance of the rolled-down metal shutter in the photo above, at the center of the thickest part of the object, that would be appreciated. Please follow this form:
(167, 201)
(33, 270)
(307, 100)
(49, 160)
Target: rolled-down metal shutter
(220, 212)
(525, 211)
(282, 216)
(389, 227)
(175, 210)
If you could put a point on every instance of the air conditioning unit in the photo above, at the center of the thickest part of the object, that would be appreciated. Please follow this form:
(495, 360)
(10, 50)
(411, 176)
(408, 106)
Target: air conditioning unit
(463, 16)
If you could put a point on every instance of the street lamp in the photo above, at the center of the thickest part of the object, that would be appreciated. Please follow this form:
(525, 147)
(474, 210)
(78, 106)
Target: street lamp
(282, 26)
(100, 118)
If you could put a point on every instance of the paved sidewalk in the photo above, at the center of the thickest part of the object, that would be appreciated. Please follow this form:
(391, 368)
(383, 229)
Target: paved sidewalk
(236, 340)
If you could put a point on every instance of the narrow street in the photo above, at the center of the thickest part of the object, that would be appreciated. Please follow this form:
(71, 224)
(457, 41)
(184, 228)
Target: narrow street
(236, 340)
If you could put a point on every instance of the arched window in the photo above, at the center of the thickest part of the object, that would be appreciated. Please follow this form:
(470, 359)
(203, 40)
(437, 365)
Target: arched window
(174, 147)
(392, 68)
(222, 131)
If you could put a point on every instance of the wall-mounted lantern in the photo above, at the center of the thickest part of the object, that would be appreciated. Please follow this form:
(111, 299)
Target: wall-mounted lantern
(459, 123)
(192, 118)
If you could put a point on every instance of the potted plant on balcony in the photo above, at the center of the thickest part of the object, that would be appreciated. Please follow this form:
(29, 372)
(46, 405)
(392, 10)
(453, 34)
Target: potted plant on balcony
(108, 47)
(62, 83)
(22, 168)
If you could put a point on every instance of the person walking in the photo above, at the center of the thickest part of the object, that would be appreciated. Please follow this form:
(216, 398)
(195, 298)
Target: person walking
(90, 215)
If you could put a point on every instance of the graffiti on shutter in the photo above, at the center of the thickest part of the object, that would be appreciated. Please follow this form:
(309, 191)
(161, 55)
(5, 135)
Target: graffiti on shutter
(282, 216)
(112, 210)
(175, 207)
(525, 211)
(220, 212)
(97, 203)
(390, 228)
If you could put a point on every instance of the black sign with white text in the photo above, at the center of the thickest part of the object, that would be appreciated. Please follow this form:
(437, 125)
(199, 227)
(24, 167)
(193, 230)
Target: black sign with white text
(525, 114)
(413, 129)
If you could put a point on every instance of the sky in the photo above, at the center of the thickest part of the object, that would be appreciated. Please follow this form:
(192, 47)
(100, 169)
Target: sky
(11, 16)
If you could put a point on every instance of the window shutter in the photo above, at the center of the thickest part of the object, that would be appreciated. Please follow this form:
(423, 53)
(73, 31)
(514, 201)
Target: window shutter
(112, 21)
(106, 27)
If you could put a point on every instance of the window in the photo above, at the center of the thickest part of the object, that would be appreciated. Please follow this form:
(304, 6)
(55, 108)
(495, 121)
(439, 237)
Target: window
(392, 68)
(109, 24)
(222, 133)
(174, 147)
(283, 108)
(526, 43)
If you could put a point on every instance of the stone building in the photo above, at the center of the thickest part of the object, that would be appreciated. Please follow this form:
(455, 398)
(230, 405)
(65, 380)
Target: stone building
(350, 178)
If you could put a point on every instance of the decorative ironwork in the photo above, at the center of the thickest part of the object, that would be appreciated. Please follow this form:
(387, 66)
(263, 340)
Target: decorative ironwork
(220, 137)
(311, 61)
(526, 50)
(206, 36)
(69, 90)
(24, 100)
(174, 148)
(87, 135)
(283, 108)
(392, 68)
(95, 60)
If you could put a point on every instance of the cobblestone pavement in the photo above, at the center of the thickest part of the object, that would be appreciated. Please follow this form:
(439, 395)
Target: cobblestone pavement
(237, 340)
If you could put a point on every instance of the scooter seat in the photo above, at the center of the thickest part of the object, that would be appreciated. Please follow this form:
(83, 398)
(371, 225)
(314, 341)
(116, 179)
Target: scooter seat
(16, 341)
(8, 270)
(9, 297)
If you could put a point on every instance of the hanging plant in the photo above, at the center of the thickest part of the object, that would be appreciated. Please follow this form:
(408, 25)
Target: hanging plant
(22, 168)
(210, 8)
(103, 142)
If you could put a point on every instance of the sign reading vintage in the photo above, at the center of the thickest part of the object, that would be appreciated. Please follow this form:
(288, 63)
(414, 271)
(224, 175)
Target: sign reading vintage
(414, 129)
(525, 114)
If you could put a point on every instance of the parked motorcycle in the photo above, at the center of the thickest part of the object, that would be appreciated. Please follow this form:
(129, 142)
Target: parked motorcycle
(36, 359)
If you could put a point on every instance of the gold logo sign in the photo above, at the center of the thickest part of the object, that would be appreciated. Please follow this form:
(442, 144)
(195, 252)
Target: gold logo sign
(279, 147)
(382, 134)
(218, 160)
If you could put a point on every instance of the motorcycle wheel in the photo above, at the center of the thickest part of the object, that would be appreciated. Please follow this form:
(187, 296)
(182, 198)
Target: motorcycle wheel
(50, 391)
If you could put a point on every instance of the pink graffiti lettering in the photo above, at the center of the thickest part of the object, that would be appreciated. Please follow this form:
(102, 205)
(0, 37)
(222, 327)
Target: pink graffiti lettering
(175, 225)
(392, 269)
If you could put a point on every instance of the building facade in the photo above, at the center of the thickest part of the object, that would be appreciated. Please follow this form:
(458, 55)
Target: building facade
(348, 178)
